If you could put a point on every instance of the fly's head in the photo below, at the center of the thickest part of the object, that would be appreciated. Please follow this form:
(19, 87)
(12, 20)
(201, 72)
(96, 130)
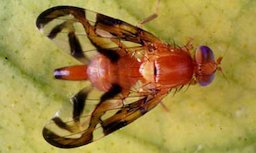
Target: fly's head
(205, 65)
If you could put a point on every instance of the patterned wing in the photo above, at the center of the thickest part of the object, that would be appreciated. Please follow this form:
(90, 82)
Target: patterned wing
(78, 30)
(108, 115)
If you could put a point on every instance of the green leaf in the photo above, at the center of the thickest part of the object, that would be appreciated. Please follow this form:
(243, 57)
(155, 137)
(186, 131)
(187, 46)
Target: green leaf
(215, 119)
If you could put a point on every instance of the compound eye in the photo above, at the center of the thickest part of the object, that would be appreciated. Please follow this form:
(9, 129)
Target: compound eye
(204, 55)
(205, 80)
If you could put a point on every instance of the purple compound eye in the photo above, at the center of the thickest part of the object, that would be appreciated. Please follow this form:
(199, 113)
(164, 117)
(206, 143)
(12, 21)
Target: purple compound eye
(204, 58)
(204, 55)
(205, 80)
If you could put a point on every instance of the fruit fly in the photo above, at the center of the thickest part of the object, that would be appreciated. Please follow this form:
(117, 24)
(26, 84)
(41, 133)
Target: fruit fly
(132, 68)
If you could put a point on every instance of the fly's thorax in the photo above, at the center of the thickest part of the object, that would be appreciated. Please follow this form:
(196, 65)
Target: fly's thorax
(169, 70)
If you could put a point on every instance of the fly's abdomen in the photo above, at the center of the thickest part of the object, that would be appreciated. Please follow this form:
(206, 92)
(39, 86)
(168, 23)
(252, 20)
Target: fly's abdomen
(101, 72)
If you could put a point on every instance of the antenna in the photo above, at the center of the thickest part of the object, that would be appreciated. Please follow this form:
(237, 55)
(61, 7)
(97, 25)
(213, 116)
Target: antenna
(219, 60)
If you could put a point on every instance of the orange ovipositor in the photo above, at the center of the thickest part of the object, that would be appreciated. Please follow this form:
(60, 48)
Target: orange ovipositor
(76, 72)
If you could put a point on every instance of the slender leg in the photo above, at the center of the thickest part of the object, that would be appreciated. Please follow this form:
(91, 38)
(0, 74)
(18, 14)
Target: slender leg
(152, 16)
(165, 108)
(188, 46)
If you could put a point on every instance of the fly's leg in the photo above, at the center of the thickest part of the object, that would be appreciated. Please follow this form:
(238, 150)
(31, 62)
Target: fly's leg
(188, 46)
(165, 108)
(152, 16)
